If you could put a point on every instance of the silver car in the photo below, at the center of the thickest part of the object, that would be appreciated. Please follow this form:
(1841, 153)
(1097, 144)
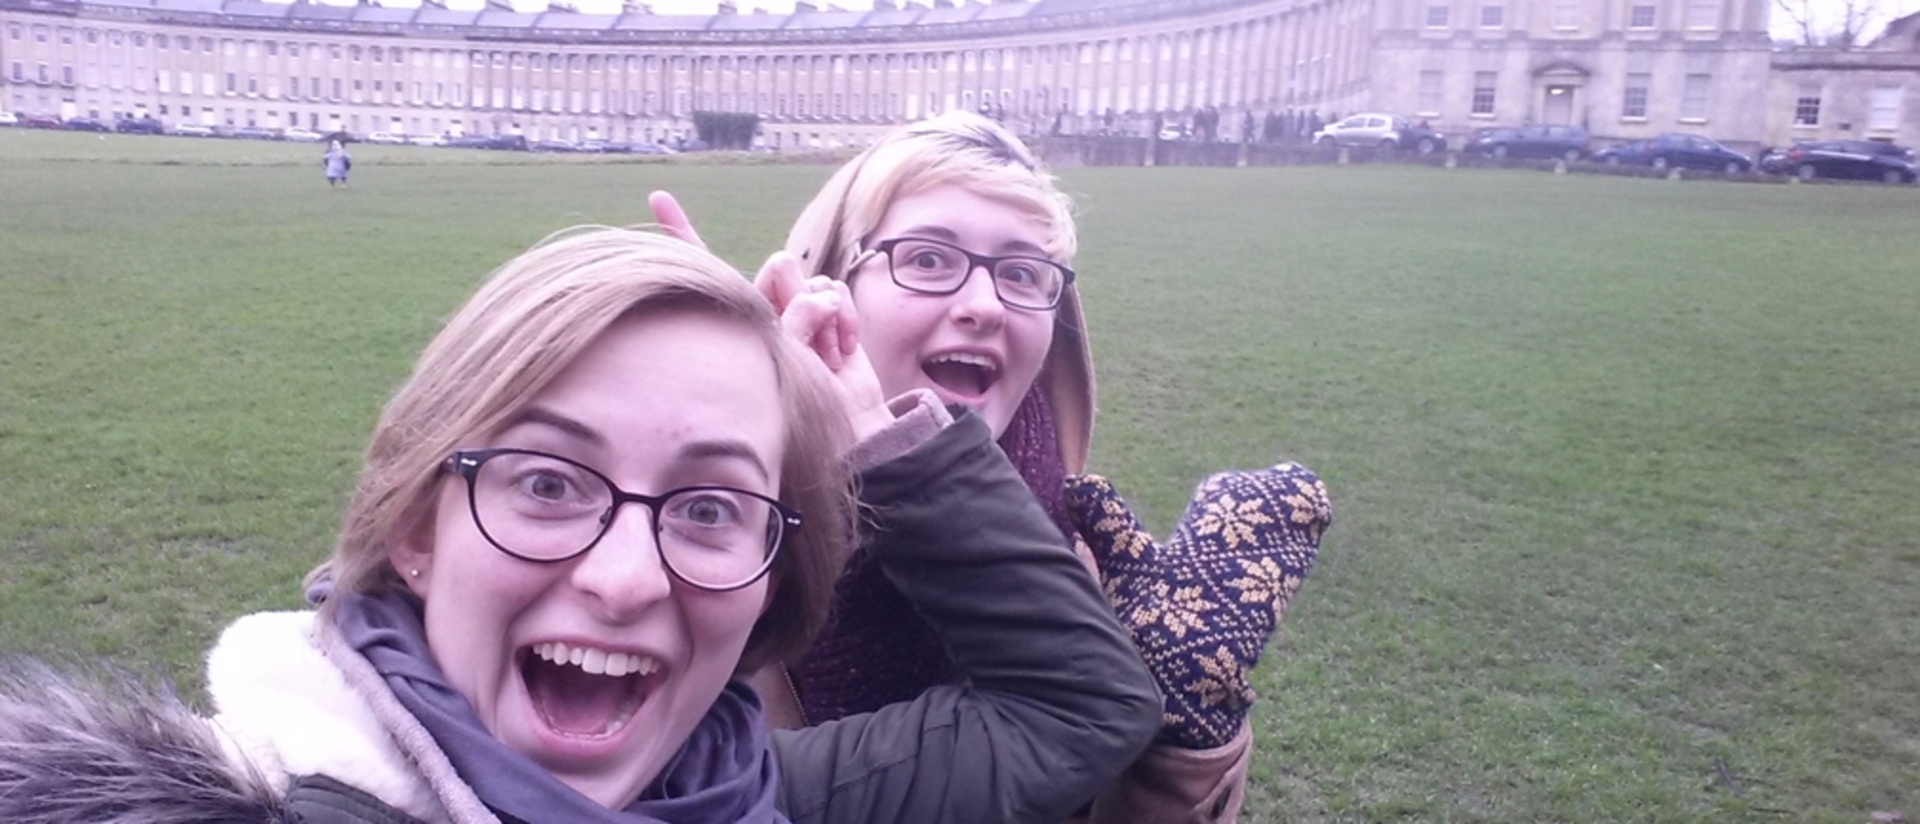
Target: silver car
(1371, 130)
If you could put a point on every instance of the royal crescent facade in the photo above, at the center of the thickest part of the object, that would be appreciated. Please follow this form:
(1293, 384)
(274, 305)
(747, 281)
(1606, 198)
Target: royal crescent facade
(821, 76)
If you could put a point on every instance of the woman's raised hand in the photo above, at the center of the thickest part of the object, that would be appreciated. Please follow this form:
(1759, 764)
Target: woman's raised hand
(816, 311)
(819, 312)
(668, 214)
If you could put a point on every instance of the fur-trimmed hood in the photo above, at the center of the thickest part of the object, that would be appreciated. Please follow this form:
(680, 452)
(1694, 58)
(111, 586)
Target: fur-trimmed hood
(94, 745)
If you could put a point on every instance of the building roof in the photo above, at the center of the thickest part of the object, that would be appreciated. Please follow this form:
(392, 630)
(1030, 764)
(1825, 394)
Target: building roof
(892, 21)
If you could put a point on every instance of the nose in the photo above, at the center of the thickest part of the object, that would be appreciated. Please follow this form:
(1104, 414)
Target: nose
(623, 574)
(978, 302)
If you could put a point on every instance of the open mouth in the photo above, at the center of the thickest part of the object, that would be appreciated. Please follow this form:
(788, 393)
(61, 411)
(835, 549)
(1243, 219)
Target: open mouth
(962, 374)
(582, 692)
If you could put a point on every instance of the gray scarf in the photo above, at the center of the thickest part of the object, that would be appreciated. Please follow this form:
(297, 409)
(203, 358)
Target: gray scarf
(725, 774)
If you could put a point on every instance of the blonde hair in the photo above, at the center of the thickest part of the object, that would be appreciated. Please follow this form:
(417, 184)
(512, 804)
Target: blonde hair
(527, 323)
(964, 149)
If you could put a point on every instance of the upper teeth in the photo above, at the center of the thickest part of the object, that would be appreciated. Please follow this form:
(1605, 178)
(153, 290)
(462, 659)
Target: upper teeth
(969, 359)
(596, 661)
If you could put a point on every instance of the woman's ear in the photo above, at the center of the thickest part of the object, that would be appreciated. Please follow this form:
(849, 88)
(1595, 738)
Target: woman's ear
(412, 557)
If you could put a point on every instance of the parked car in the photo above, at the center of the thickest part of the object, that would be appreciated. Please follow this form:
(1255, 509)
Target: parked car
(1387, 132)
(1850, 159)
(40, 121)
(192, 130)
(9, 119)
(1676, 151)
(139, 125)
(301, 136)
(555, 145)
(254, 133)
(1567, 143)
(495, 142)
(85, 124)
(386, 137)
(427, 140)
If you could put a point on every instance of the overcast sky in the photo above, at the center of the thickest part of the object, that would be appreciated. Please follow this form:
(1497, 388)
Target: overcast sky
(1825, 11)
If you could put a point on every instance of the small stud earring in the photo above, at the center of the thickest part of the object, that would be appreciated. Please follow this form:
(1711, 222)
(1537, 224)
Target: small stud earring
(413, 573)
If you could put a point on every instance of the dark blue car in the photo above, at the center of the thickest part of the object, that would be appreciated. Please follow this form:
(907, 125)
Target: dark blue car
(1567, 143)
(1853, 159)
(1676, 151)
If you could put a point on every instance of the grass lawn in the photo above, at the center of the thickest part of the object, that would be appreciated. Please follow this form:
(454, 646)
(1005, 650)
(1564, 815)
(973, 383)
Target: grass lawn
(1623, 470)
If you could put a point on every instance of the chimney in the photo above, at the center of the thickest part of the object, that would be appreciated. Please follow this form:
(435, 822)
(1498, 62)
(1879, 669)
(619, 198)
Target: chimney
(727, 7)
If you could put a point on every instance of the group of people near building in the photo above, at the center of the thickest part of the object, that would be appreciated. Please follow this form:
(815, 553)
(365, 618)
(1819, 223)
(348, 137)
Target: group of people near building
(641, 540)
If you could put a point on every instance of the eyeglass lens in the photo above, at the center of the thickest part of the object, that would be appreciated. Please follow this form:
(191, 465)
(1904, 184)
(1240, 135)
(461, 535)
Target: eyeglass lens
(938, 267)
(546, 508)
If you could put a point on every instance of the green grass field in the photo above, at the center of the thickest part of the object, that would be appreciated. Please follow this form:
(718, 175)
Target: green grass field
(1623, 470)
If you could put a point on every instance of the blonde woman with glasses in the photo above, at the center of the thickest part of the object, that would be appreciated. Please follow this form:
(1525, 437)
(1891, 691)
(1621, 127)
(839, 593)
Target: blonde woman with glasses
(940, 260)
(614, 486)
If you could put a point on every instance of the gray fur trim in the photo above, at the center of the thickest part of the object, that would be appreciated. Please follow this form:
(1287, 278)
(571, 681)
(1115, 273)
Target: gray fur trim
(97, 745)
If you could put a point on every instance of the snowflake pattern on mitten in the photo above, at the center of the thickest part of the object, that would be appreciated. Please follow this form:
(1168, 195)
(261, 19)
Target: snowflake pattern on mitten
(1202, 606)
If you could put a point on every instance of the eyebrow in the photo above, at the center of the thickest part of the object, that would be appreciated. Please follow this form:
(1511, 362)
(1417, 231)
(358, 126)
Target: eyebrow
(694, 451)
(938, 232)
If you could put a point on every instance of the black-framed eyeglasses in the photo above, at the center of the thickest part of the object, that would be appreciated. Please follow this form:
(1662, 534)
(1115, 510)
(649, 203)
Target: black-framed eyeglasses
(547, 509)
(936, 267)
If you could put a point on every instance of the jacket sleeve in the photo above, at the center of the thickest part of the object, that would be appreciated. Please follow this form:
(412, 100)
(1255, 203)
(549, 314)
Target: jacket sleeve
(1057, 700)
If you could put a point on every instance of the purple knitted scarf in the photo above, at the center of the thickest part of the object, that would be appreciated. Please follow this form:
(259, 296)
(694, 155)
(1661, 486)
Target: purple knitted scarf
(875, 649)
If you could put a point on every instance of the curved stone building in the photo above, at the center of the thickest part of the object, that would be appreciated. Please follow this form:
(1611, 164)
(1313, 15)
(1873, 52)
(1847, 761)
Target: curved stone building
(1622, 68)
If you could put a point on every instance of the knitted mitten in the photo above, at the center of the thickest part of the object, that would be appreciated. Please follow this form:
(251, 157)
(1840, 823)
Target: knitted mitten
(1202, 605)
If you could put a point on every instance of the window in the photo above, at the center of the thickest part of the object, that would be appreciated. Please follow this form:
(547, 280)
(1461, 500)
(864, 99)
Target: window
(1703, 14)
(15, 31)
(1884, 114)
(1492, 17)
(1566, 14)
(1430, 93)
(1436, 17)
(1483, 92)
(1633, 103)
(1640, 16)
(1693, 99)
(19, 72)
(230, 83)
(1806, 107)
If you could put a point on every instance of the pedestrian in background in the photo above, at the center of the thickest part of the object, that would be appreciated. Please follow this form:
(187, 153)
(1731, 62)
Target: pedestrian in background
(336, 161)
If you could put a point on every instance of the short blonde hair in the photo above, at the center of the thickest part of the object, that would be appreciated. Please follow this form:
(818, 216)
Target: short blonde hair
(958, 148)
(531, 320)
(964, 149)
